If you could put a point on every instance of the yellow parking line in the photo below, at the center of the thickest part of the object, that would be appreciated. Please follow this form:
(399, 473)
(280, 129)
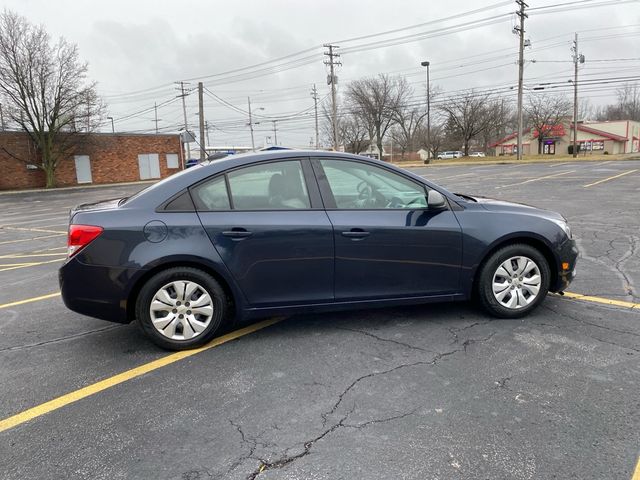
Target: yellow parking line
(604, 301)
(28, 300)
(636, 472)
(32, 239)
(609, 178)
(4, 268)
(537, 179)
(94, 388)
(30, 255)
(25, 229)
(49, 249)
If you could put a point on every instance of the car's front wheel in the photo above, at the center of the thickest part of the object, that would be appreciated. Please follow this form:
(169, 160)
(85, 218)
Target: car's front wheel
(513, 281)
(181, 308)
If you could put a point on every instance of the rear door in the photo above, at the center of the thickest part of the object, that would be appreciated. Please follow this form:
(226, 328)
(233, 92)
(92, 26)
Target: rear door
(388, 242)
(267, 222)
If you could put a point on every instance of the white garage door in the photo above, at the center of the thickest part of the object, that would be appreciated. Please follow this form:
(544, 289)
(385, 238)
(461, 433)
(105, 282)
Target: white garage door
(149, 165)
(83, 168)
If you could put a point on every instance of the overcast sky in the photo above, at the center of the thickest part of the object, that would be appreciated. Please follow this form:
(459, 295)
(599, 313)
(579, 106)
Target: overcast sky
(137, 49)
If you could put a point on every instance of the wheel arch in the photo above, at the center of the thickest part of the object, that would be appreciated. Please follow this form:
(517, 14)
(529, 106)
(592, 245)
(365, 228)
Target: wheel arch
(234, 296)
(533, 240)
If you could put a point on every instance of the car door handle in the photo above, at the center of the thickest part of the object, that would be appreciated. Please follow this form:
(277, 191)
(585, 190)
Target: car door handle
(355, 233)
(237, 233)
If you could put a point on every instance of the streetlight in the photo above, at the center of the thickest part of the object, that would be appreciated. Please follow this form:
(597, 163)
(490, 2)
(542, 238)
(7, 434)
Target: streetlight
(426, 64)
(113, 129)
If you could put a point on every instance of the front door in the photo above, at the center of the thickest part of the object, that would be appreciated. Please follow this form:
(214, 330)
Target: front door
(549, 147)
(267, 224)
(388, 242)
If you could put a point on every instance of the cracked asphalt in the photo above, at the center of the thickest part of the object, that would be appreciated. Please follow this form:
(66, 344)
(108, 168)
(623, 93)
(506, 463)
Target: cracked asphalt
(424, 392)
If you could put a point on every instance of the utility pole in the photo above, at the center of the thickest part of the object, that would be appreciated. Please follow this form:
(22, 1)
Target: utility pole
(155, 109)
(275, 133)
(426, 64)
(253, 143)
(206, 129)
(332, 80)
(203, 153)
(577, 58)
(314, 94)
(183, 94)
(519, 30)
(113, 128)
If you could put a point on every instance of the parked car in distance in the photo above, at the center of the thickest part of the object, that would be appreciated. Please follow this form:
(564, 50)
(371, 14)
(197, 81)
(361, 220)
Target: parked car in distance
(477, 154)
(286, 232)
(449, 154)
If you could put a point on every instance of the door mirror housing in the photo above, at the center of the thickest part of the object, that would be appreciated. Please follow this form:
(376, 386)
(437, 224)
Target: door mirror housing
(435, 200)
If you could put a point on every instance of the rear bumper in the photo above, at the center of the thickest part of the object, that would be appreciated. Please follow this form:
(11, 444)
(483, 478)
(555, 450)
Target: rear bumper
(96, 291)
(568, 253)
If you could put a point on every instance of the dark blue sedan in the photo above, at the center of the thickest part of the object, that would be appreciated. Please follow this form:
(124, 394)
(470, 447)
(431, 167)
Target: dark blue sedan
(294, 231)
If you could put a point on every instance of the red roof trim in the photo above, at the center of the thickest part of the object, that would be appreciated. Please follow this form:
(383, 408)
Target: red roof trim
(611, 136)
(507, 138)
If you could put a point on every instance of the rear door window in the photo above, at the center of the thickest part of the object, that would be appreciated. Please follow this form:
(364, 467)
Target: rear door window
(211, 195)
(269, 186)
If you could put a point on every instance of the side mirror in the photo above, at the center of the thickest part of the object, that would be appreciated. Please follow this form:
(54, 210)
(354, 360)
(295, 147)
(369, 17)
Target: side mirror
(435, 200)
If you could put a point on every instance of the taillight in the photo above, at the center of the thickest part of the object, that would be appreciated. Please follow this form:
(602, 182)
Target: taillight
(80, 236)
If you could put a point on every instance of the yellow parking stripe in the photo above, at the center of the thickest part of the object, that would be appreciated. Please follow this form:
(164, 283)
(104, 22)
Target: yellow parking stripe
(4, 268)
(94, 388)
(537, 179)
(25, 229)
(28, 300)
(29, 255)
(636, 472)
(32, 239)
(604, 301)
(609, 178)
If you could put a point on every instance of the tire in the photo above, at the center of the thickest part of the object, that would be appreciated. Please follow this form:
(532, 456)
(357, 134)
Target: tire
(513, 281)
(174, 321)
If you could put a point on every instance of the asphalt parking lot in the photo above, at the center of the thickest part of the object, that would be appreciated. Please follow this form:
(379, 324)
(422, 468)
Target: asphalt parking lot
(429, 392)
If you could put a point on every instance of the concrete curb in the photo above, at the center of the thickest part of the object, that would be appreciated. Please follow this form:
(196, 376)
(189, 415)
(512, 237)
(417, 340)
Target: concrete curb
(77, 187)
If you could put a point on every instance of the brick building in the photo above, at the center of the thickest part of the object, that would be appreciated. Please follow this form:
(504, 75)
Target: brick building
(618, 136)
(100, 158)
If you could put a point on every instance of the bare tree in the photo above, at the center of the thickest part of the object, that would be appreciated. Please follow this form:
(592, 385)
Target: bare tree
(436, 139)
(628, 106)
(374, 100)
(408, 118)
(468, 115)
(354, 134)
(545, 113)
(45, 90)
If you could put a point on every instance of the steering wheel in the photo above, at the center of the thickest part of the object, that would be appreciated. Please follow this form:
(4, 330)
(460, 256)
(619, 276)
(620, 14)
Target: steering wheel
(365, 191)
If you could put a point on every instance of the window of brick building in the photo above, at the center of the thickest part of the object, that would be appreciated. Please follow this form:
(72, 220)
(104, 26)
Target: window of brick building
(149, 166)
(172, 160)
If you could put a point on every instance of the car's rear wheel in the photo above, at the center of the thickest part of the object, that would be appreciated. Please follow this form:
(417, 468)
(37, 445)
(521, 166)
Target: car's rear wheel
(181, 308)
(513, 281)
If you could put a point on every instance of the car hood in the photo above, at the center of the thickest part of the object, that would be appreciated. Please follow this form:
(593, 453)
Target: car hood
(495, 205)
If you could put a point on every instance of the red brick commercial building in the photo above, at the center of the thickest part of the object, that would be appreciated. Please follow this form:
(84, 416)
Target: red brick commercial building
(102, 158)
(612, 137)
